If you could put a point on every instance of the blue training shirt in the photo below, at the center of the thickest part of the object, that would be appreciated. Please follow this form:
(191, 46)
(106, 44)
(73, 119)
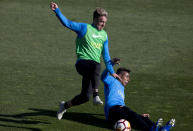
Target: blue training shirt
(113, 91)
(81, 29)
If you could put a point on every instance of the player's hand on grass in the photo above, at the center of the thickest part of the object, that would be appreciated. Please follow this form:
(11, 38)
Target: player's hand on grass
(53, 6)
(116, 61)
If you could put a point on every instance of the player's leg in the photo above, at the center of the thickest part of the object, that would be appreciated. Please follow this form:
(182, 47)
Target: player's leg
(91, 69)
(77, 100)
(114, 115)
(95, 79)
(84, 68)
(137, 121)
(84, 96)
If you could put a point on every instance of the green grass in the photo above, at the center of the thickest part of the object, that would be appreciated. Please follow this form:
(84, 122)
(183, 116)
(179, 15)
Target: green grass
(37, 57)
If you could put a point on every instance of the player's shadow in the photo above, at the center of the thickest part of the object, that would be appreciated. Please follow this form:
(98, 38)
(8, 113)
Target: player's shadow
(87, 118)
(20, 127)
(84, 118)
(19, 121)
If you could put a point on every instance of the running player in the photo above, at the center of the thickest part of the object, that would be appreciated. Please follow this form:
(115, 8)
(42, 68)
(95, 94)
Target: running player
(91, 42)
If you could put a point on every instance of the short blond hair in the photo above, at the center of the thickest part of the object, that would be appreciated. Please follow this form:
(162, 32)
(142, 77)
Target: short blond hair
(100, 12)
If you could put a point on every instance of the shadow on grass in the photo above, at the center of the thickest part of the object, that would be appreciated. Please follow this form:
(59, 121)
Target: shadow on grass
(20, 127)
(20, 120)
(84, 118)
(88, 119)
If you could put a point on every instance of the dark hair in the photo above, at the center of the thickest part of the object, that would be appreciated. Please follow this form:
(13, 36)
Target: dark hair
(99, 12)
(122, 69)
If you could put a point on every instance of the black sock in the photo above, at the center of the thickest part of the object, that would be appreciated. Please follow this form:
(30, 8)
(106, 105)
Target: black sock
(67, 105)
(95, 94)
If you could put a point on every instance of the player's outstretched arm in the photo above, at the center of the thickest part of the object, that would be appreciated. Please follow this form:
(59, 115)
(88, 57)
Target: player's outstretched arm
(79, 28)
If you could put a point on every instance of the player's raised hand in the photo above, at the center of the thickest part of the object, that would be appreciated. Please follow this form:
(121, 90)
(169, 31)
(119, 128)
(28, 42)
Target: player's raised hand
(53, 6)
(116, 61)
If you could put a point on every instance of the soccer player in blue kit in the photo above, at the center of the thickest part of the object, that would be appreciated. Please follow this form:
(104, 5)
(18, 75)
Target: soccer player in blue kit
(115, 108)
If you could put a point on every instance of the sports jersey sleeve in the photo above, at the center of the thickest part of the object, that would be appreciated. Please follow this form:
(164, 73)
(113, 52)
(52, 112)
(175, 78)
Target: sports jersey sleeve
(106, 57)
(105, 77)
(79, 28)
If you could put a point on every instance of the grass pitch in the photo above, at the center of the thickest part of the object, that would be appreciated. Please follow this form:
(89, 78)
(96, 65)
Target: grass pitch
(37, 57)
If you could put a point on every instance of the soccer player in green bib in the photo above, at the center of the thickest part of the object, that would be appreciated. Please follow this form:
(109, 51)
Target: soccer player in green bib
(91, 42)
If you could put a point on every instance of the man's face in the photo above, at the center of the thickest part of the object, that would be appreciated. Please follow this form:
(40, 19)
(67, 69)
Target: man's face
(100, 22)
(125, 76)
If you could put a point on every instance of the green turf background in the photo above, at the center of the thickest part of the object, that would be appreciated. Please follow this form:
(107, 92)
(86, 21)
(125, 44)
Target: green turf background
(154, 38)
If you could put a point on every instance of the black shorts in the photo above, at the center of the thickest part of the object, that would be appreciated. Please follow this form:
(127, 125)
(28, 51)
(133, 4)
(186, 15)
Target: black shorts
(90, 71)
(137, 121)
(88, 68)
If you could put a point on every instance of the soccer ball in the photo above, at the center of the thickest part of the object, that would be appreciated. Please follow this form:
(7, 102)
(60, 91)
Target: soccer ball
(122, 125)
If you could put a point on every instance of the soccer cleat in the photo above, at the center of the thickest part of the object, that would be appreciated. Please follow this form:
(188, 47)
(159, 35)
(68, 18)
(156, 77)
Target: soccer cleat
(158, 124)
(172, 122)
(97, 100)
(169, 125)
(61, 111)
